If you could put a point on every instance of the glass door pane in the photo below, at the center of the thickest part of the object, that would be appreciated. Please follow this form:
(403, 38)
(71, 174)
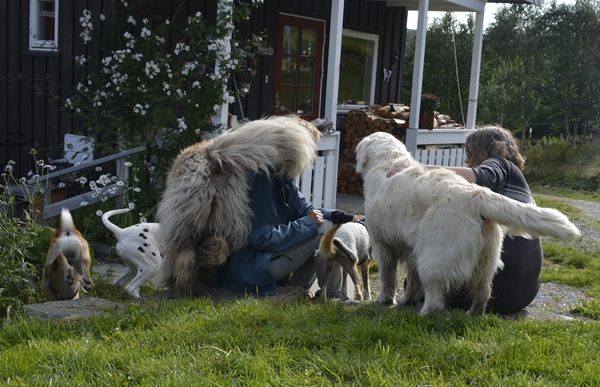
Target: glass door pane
(300, 63)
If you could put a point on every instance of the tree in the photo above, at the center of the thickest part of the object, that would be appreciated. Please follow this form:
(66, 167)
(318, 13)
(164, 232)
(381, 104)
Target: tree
(440, 68)
(569, 43)
(510, 70)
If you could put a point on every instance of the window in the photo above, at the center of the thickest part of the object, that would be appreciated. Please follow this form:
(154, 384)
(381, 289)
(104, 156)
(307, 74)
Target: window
(43, 25)
(357, 69)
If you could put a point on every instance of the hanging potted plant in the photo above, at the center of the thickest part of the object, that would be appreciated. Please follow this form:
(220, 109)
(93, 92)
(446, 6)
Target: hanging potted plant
(243, 79)
(429, 102)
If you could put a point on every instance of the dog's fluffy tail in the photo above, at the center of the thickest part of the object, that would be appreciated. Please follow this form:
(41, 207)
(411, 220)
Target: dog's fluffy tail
(327, 247)
(66, 222)
(526, 219)
(112, 227)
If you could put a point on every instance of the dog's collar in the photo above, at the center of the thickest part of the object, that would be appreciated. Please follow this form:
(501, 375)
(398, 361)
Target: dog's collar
(55, 292)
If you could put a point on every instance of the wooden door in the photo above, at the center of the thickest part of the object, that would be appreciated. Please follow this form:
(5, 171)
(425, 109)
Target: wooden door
(299, 66)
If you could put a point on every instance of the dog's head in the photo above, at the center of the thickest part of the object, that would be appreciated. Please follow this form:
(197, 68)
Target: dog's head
(380, 150)
(60, 281)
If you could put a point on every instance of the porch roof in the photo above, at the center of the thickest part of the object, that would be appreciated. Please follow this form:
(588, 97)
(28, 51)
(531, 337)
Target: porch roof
(454, 5)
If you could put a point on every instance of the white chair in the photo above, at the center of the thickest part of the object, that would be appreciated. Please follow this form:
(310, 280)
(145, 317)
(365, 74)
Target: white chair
(78, 150)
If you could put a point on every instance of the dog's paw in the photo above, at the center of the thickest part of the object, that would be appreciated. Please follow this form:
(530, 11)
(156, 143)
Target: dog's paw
(383, 299)
(86, 285)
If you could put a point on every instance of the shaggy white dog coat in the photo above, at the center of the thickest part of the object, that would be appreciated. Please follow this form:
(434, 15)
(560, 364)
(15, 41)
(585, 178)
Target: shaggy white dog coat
(204, 214)
(445, 229)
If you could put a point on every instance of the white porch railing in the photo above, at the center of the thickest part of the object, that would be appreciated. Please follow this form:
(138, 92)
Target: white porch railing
(319, 183)
(453, 157)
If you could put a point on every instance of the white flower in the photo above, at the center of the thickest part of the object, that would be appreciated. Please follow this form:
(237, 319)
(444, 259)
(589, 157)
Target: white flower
(102, 17)
(98, 169)
(131, 20)
(128, 164)
(120, 183)
(99, 213)
(131, 205)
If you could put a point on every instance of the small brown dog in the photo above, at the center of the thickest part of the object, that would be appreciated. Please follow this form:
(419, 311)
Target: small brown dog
(67, 262)
(349, 246)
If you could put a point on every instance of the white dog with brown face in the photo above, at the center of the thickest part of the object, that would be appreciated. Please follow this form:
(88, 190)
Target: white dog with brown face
(445, 229)
(346, 245)
(68, 262)
(138, 248)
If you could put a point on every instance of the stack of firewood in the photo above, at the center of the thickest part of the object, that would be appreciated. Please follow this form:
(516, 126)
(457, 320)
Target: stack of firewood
(392, 118)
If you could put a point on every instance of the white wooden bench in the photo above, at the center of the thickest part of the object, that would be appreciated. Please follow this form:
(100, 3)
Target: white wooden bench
(453, 156)
(50, 209)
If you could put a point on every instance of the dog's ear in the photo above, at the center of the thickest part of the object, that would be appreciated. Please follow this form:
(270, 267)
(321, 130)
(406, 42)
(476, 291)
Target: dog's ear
(55, 264)
(361, 156)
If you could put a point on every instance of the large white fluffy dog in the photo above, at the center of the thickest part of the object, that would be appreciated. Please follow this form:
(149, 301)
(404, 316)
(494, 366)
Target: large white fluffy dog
(445, 229)
(138, 248)
(204, 214)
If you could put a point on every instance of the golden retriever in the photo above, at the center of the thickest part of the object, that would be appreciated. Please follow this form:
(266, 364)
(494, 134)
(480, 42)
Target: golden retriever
(446, 230)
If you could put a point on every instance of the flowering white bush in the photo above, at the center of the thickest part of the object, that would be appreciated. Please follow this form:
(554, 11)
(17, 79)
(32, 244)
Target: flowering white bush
(145, 91)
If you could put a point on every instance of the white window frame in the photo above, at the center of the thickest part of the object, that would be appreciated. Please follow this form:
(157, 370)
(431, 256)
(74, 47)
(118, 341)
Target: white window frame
(375, 39)
(36, 44)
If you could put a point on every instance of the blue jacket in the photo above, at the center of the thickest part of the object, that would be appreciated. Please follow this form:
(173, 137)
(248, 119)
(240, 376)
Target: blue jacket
(280, 221)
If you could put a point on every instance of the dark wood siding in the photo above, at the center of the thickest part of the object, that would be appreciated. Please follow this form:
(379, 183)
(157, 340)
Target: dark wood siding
(374, 17)
(34, 85)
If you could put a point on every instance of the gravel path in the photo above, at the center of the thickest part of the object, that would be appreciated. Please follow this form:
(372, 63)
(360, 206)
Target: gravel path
(554, 300)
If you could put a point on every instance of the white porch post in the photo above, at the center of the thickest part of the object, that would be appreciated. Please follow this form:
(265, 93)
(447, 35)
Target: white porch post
(221, 116)
(334, 54)
(417, 86)
(475, 70)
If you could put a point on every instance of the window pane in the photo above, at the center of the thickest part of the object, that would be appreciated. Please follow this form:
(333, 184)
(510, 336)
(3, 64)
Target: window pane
(287, 100)
(290, 40)
(305, 100)
(45, 20)
(309, 42)
(289, 70)
(307, 72)
(356, 70)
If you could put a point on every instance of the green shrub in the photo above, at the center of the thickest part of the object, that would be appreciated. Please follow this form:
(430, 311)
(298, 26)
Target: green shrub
(23, 242)
(553, 162)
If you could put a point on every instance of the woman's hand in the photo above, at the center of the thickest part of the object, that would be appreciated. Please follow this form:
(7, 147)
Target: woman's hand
(316, 216)
(358, 217)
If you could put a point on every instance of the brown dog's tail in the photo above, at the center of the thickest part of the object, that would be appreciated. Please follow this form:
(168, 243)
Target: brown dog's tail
(328, 249)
